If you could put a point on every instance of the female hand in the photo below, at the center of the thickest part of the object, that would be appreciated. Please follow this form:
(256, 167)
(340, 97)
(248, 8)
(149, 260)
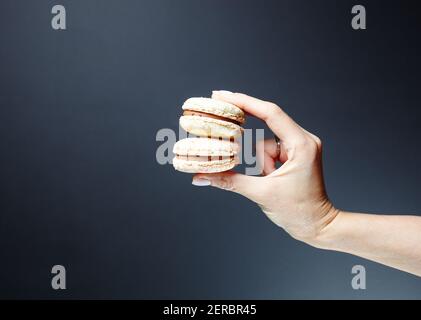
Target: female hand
(292, 196)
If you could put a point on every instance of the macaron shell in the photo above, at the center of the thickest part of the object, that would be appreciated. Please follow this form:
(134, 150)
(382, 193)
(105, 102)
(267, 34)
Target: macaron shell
(209, 127)
(216, 107)
(206, 147)
(190, 166)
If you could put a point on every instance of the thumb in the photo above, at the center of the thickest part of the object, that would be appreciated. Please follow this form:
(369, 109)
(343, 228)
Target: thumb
(231, 181)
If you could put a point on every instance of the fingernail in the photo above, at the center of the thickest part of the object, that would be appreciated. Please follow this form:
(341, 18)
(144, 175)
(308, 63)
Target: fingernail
(200, 182)
(222, 92)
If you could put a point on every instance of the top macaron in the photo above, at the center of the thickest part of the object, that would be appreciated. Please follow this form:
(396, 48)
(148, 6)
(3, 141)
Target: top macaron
(212, 118)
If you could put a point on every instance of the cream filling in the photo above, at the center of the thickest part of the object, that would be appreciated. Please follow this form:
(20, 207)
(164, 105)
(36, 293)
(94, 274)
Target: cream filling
(202, 158)
(208, 115)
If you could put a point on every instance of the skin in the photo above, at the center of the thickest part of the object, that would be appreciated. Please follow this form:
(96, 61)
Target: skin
(294, 196)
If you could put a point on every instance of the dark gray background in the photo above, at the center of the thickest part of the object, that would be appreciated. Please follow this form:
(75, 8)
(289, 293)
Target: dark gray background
(79, 111)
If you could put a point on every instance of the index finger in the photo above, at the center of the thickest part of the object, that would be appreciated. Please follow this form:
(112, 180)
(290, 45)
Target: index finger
(276, 119)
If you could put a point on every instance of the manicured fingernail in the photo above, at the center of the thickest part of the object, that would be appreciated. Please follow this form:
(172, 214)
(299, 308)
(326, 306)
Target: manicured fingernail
(200, 182)
(222, 92)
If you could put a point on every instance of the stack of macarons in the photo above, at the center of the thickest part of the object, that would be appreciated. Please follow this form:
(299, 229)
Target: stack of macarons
(217, 124)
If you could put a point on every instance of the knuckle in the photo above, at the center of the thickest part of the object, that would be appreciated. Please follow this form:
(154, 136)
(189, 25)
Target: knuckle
(309, 146)
(301, 142)
(318, 142)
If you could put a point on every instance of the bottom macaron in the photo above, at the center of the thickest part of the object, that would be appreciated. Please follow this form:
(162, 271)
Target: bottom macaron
(192, 166)
(205, 155)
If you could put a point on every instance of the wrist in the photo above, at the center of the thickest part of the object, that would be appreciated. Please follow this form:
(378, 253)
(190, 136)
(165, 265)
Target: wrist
(319, 232)
(328, 234)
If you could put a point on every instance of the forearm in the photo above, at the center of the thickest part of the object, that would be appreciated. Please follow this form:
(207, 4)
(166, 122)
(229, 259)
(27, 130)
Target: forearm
(391, 240)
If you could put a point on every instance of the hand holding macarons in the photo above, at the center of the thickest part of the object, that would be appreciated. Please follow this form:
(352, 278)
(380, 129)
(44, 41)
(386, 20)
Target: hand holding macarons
(292, 196)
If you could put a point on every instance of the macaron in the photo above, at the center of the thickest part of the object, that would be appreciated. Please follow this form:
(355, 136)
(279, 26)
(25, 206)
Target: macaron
(207, 117)
(204, 155)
